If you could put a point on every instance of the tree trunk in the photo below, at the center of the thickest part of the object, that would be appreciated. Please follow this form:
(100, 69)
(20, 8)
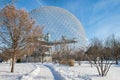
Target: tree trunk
(13, 64)
(42, 58)
(79, 62)
(27, 59)
(116, 60)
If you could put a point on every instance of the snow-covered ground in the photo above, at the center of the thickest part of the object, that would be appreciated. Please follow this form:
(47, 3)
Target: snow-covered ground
(20, 69)
(49, 71)
(25, 71)
(86, 72)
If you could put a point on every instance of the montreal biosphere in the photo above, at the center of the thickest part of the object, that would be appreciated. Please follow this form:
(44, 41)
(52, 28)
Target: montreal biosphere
(59, 22)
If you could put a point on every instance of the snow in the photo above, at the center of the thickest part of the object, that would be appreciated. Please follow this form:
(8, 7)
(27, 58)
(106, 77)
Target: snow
(20, 69)
(70, 74)
(25, 71)
(30, 75)
(50, 71)
(44, 74)
(86, 72)
(57, 75)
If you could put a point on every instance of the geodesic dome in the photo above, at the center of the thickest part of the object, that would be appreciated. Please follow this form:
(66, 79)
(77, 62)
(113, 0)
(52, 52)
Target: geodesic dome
(59, 22)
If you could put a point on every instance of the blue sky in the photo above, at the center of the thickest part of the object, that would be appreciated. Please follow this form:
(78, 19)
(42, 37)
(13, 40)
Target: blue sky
(100, 18)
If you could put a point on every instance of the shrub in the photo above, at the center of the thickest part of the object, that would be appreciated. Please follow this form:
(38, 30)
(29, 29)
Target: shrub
(71, 62)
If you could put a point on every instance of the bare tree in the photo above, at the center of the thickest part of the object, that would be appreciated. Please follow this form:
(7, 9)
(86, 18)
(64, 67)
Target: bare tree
(101, 55)
(42, 50)
(115, 45)
(57, 53)
(18, 33)
(63, 50)
(79, 55)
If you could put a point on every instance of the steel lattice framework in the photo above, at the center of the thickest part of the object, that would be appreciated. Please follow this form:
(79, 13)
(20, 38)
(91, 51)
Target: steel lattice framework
(59, 22)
